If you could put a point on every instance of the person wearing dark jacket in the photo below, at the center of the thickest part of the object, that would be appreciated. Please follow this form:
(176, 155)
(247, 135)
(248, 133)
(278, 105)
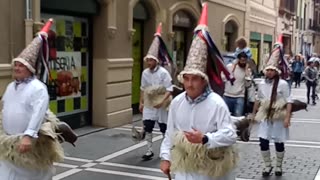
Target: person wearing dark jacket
(310, 74)
(297, 68)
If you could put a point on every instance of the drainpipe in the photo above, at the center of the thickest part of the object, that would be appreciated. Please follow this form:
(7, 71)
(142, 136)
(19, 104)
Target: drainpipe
(10, 31)
(28, 9)
(28, 23)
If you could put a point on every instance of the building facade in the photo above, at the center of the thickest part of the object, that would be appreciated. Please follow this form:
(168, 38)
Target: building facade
(285, 23)
(262, 16)
(304, 28)
(316, 27)
(99, 45)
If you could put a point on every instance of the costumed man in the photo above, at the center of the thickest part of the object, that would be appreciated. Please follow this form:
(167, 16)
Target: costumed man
(29, 142)
(198, 142)
(156, 88)
(273, 109)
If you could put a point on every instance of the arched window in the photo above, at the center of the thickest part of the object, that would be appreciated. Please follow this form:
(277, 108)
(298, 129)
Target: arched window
(140, 12)
(183, 25)
(231, 34)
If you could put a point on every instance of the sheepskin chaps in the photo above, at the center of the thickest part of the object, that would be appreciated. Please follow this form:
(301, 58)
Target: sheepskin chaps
(46, 149)
(153, 95)
(278, 110)
(188, 157)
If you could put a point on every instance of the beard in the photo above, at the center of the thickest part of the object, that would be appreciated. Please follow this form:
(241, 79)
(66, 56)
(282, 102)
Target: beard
(242, 65)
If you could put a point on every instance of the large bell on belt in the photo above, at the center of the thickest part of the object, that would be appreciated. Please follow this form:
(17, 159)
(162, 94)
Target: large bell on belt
(136, 135)
(66, 133)
(298, 105)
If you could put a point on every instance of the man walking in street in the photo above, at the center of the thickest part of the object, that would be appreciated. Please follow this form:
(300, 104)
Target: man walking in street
(311, 76)
(156, 88)
(234, 93)
(198, 142)
(297, 68)
(29, 145)
(273, 110)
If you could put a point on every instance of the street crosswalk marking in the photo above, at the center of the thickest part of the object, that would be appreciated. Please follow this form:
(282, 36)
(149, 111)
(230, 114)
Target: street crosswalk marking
(65, 165)
(126, 150)
(66, 174)
(131, 167)
(135, 175)
(114, 172)
(78, 159)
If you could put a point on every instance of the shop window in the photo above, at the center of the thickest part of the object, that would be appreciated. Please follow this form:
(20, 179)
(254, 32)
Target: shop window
(68, 63)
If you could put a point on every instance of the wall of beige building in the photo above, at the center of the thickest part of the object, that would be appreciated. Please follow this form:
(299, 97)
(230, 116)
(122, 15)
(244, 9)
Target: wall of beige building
(11, 37)
(262, 17)
(222, 12)
(112, 66)
(112, 44)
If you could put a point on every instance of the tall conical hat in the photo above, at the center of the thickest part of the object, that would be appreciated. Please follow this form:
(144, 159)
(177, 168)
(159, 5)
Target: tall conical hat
(204, 58)
(197, 58)
(158, 50)
(29, 55)
(276, 60)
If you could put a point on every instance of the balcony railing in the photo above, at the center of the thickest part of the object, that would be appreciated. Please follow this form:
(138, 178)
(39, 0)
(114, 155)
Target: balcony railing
(315, 26)
(287, 6)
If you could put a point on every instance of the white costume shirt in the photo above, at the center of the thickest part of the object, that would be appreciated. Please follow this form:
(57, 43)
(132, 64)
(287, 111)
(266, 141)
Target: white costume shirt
(210, 116)
(160, 76)
(24, 108)
(276, 130)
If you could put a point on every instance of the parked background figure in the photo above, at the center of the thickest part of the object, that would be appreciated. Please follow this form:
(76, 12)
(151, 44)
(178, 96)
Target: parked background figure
(297, 68)
(310, 74)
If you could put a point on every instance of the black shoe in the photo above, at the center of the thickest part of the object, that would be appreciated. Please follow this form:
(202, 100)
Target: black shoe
(148, 156)
(278, 171)
(267, 173)
(314, 103)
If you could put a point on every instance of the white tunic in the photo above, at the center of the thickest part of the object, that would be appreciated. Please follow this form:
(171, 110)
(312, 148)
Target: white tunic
(211, 116)
(275, 130)
(160, 76)
(24, 109)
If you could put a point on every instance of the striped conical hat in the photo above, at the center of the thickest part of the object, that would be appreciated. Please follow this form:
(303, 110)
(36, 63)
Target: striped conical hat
(30, 54)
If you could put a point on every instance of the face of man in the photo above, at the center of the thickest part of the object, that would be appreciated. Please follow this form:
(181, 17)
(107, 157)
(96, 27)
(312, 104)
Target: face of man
(271, 73)
(242, 62)
(20, 71)
(151, 63)
(194, 85)
(311, 64)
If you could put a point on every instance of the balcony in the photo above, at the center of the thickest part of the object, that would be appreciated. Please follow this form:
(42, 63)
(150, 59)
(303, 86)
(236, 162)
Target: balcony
(315, 26)
(287, 7)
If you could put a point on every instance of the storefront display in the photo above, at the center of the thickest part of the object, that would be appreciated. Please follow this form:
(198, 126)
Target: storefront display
(68, 52)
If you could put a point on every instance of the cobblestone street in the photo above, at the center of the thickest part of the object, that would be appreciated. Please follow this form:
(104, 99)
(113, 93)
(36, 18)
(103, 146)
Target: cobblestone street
(110, 154)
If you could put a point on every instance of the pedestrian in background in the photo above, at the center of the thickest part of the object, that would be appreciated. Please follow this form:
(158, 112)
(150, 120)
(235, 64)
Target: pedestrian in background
(311, 76)
(234, 92)
(297, 68)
